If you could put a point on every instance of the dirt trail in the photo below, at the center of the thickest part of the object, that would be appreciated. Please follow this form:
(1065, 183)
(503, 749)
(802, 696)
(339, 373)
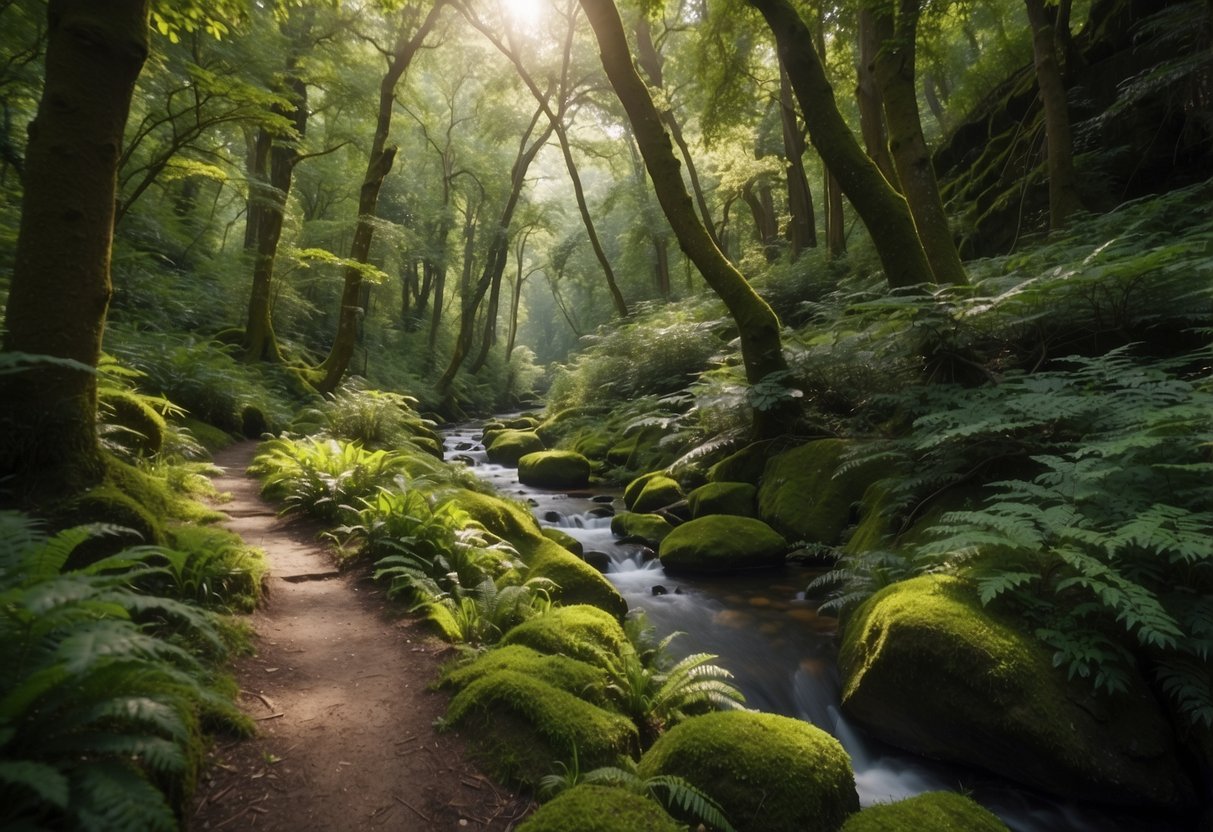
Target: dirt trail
(338, 687)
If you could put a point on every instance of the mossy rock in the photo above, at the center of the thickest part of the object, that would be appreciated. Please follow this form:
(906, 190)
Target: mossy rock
(635, 450)
(554, 470)
(427, 445)
(577, 582)
(720, 544)
(736, 498)
(209, 436)
(522, 727)
(745, 465)
(658, 492)
(509, 446)
(769, 773)
(522, 423)
(591, 443)
(993, 700)
(801, 497)
(579, 631)
(564, 539)
(253, 422)
(652, 527)
(631, 491)
(108, 504)
(143, 429)
(590, 808)
(489, 435)
(508, 520)
(577, 677)
(934, 811)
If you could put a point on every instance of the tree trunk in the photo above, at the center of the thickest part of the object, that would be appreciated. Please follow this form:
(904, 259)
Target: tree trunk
(661, 266)
(757, 195)
(60, 288)
(761, 347)
(379, 164)
(802, 224)
(1063, 181)
(867, 92)
(836, 231)
(881, 208)
(895, 74)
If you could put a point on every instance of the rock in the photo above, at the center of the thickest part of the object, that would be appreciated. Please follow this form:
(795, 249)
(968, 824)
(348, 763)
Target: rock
(658, 492)
(721, 544)
(509, 446)
(934, 811)
(737, 498)
(580, 678)
(142, 428)
(632, 490)
(552, 517)
(564, 539)
(590, 808)
(599, 560)
(603, 498)
(602, 511)
(649, 529)
(577, 582)
(745, 465)
(658, 589)
(801, 497)
(927, 668)
(769, 773)
(522, 423)
(578, 631)
(464, 446)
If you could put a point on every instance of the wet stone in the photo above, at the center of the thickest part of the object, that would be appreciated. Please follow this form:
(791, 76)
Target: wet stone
(658, 589)
(464, 446)
(552, 517)
(598, 560)
(602, 498)
(605, 511)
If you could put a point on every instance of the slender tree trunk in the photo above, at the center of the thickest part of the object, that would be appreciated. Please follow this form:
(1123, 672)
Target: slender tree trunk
(836, 230)
(881, 208)
(60, 288)
(757, 324)
(1063, 181)
(661, 266)
(757, 195)
(256, 169)
(895, 74)
(867, 92)
(802, 224)
(379, 164)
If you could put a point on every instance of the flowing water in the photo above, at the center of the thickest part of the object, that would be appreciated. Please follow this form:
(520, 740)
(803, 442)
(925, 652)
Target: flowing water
(781, 652)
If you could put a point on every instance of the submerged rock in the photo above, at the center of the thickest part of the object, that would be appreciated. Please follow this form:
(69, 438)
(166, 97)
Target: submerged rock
(553, 469)
(926, 668)
(721, 544)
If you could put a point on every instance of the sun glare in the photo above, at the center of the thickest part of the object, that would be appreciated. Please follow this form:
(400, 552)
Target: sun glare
(526, 14)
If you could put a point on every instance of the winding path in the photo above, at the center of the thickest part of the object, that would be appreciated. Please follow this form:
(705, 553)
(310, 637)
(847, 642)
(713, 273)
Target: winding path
(338, 686)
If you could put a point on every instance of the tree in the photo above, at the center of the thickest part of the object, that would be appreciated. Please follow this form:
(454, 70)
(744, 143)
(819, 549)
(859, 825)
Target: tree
(757, 325)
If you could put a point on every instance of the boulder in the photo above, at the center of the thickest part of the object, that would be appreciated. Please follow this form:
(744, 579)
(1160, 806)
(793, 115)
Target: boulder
(745, 465)
(658, 492)
(564, 539)
(769, 773)
(590, 808)
(652, 528)
(720, 544)
(577, 582)
(554, 470)
(934, 811)
(577, 677)
(737, 498)
(927, 668)
(579, 631)
(803, 495)
(509, 446)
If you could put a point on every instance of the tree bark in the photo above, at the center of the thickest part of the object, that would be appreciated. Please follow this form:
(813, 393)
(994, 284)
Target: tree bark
(836, 231)
(867, 92)
(1064, 200)
(881, 208)
(379, 164)
(757, 324)
(894, 69)
(60, 289)
(802, 224)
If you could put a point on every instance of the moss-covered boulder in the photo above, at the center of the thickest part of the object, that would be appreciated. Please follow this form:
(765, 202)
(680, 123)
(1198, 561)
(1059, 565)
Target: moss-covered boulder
(769, 773)
(521, 726)
(509, 446)
(590, 808)
(720, 544)
(632, 490)
(927, 668)
(637, 449)
(522, 423)
(736, 498)
(653, 528)
(564, 539)
(577, 677)
(577, 582)
(579, 631)
(745, 465)
(554, 469)
(504, 518)
(658, 492)
(593, 443)
(934, 811)
(135, 425)
(805, 497)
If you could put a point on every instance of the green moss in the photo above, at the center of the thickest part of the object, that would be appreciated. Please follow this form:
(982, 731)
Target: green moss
(993, 700)
(658, 492)
(579, 631)
(632, 491)
(577, 581)
(735, 498)
(218, 568)
(506, 519)
(577, 677)
(802, 497)
(522, 423)
(767, 772)
(636, 450)
(745, 465)
(509, 446)
(210, 437)
(564, 539)
(554, 469)
(521, 727)
(590, 808)
(143, 429)
(108, 504)
(935, 811)
(592, 443)
(652, 527)
(721, 543)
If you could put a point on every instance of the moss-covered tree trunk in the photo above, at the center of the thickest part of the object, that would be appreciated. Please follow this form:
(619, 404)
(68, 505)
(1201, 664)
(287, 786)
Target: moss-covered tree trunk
(895, 73)
(881, 208)
(60, 288)
(1063, 182)
(757, 324)
(867, 93)
(410, 37)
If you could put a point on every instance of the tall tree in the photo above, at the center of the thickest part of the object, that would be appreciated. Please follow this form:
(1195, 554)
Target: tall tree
(802, 224)
(757, 324)
(867, 92)
(1064, 200)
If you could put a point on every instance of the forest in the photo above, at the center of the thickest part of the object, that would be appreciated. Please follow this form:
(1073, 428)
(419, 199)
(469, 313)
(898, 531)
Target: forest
(735, 414)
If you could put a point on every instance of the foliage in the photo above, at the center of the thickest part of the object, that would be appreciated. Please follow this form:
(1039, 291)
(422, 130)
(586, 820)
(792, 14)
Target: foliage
(373, 418)
(98, 711)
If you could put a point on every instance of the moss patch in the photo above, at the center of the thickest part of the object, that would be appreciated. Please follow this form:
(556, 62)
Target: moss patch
(658, 492)
(142, 429)
(935, 811)
(632, 490)
(590, 808)
(506, 519)
(554, 469)
(509, 446)
(737, 498)
(521, 726)
(580, 631)
(993, 700)
(767, 772)
(745, 465)
(801, 497)
(564, 539)
(652, 527)
(720, 544)
(209, 436)
(577, 677)
(578, 582)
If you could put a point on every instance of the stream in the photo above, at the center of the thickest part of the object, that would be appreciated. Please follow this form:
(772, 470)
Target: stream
(767, 633)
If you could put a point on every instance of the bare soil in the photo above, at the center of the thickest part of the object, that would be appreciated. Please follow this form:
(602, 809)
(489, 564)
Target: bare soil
(338, 686)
